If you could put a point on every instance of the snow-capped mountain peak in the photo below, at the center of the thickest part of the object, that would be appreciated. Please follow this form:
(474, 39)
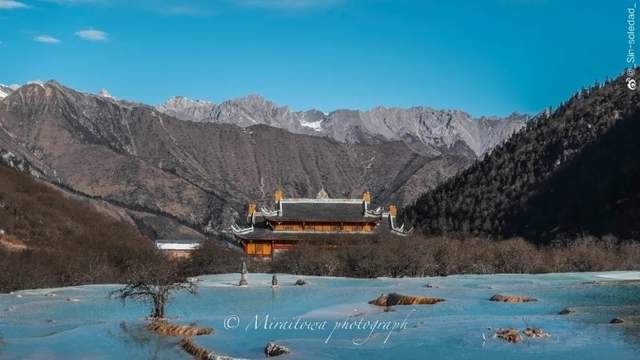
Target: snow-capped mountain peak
(104, 93)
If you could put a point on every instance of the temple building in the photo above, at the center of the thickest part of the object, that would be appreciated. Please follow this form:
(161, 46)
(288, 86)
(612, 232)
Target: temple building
(321, 220)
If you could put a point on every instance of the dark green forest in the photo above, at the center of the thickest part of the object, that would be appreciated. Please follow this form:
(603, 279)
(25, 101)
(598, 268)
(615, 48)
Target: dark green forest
(571, 172)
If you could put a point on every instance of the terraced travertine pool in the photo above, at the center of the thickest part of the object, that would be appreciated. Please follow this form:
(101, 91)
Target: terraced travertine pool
(329, 318)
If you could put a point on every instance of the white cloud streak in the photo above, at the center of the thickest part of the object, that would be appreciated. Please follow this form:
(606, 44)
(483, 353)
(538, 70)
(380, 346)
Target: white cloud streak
(288, 4)
(77, 2)
(12, 4)
(46, 39)
(93, 35)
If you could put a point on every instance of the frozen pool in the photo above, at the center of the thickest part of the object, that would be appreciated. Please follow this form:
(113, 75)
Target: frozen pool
(82, 323)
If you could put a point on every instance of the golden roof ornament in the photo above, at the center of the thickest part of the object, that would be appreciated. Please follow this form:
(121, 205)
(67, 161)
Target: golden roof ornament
(322, 194)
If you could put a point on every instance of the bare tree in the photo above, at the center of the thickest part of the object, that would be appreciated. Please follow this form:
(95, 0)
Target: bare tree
(154, 284)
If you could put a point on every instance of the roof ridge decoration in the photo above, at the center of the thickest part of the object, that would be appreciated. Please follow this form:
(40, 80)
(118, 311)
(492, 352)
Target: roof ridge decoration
(268, 212)
(323, 200)
(398, 230)
(322, 194)
(240, 231)
(374, 213)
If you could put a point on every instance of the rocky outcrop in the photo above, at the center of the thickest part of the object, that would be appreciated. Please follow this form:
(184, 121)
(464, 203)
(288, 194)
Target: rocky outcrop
(509, 335)
(513, 335)
(535, 333)
(565, 311)
(186, 109)
(272, 349)
(166, 329)
(512, 298)
(392, 299)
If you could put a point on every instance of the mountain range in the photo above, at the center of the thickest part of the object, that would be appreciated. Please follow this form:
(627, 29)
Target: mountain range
(188, 179)
(427, 131)
(187, 169)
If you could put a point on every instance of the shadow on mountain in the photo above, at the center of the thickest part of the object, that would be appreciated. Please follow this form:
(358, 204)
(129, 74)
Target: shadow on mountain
(596, 193)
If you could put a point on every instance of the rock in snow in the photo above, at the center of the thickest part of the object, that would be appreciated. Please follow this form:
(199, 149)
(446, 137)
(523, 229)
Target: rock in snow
(512, 298)
(397, 299)
(273, 349)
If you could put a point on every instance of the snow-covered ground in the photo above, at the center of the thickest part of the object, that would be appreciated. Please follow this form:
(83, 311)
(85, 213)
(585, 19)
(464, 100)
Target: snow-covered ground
(622, 275)
(81, 322)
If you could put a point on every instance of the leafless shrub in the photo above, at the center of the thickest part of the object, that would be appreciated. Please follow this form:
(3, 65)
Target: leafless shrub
(440, 256)
(153, 283)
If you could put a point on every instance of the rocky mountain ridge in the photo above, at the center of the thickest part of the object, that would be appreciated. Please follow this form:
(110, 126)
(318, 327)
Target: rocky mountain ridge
(426, 130)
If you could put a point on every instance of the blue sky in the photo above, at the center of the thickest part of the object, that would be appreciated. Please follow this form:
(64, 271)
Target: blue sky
(484, 57)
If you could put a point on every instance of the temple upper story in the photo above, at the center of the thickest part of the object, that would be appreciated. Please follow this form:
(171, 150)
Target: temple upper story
(320, 218)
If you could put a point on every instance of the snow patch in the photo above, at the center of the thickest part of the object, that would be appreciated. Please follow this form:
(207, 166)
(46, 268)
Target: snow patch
(316, 125)
(6, 90)
(105, 94)
(622, 275)
(35, 82)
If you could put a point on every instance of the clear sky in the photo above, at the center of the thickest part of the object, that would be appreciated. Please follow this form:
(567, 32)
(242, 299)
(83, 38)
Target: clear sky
(484, 57)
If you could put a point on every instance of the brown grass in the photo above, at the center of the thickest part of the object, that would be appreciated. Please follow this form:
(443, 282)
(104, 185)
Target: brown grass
(63, 241)
(392, 299)
(166, 329)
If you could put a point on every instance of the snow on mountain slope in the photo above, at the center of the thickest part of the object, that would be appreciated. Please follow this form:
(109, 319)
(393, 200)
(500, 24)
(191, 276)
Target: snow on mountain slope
(5, 90)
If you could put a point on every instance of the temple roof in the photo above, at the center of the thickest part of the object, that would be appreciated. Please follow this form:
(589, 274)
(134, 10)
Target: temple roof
(319, 211)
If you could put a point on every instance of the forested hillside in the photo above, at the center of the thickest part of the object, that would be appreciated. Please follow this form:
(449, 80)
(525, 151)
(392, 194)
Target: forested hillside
(49, 239)
(573, 171)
